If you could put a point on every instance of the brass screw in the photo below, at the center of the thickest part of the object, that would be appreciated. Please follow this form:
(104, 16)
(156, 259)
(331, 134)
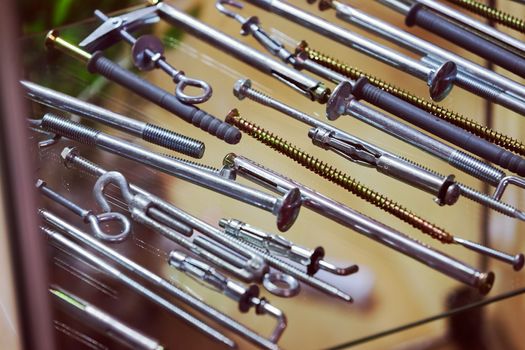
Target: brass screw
(430, 107)
(492, 13)
(338, 177)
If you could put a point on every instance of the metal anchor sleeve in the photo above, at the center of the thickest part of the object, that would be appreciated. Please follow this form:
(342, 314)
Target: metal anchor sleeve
(286, 209)
(275, 244)
(444, 188)
(97, 63)
(148, 132)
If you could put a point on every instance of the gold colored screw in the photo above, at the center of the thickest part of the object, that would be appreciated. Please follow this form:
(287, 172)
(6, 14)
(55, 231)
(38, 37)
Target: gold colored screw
(336, 176)
(492, 13)
(457, 119)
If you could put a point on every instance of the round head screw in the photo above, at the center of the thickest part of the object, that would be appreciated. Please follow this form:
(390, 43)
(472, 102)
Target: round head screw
(519, 261)
(338, 101)
(486, 281)
(288, 209)
(442, 81)
(241, 87)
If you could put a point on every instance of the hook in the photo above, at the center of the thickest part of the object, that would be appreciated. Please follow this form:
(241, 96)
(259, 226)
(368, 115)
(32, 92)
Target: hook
(184, 82)
(118, 180)
(220, 5)
(502, 186)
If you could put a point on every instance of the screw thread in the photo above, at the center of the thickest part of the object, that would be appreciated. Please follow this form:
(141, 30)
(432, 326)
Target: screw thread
(200, 166)
(441, 112)
(173, 141)
(339, 178)
(70, 129)
(491, 13)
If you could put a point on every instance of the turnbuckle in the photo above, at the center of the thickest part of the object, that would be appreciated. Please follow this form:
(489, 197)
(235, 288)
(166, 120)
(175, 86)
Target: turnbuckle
(147, 50)
(245, 296)
(253, 267)
(312, 259)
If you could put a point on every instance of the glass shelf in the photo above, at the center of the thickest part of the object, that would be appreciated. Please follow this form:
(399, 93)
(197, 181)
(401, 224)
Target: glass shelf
(392, 292)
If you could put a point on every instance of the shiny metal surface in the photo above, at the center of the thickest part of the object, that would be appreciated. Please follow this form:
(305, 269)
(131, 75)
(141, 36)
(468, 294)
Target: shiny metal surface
(364, 225)
(440, 81)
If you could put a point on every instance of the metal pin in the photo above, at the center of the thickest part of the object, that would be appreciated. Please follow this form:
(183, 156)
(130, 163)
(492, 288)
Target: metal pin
(246, 296)
(286, 208)
(111, 326)
(312, 259)
(130, 265)
(148, 132)
(371, 228)
(147, 50)
(94, 220)
(184, 297)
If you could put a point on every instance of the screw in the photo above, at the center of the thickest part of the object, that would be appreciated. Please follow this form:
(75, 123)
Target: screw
(338, 177)
(491, 13)
(428, 106)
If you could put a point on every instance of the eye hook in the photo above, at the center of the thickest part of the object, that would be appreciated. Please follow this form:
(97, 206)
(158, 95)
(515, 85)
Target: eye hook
(220, 5)
(118, 180)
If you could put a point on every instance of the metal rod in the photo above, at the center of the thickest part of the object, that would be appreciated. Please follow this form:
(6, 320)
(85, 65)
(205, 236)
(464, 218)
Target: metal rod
(381, 233)
(473, 23)
(133, 284)
(306, 85)
(423, 47)
(362, 152)
(148, 132)
(245, 296)
(186, 298)
(110, 325)
(458, 159)
(286, 209)
(440, 81)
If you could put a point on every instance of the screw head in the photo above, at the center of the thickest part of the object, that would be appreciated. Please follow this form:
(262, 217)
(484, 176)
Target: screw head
(241, 87)
(519, 261)
(442, 81)
(288, 210)
(486, 282)
(67, 155)
(336, 105)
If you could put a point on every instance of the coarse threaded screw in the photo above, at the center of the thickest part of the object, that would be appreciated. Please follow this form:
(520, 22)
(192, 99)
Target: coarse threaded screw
(428, 106)
(491, 13)
(338, 177)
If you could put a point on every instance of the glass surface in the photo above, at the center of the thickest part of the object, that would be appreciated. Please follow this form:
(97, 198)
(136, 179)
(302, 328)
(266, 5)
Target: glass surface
(390, 290)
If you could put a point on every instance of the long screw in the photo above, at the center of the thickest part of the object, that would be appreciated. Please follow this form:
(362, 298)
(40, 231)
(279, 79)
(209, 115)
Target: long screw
(455, 118)
(338, 177)
(491, 13)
